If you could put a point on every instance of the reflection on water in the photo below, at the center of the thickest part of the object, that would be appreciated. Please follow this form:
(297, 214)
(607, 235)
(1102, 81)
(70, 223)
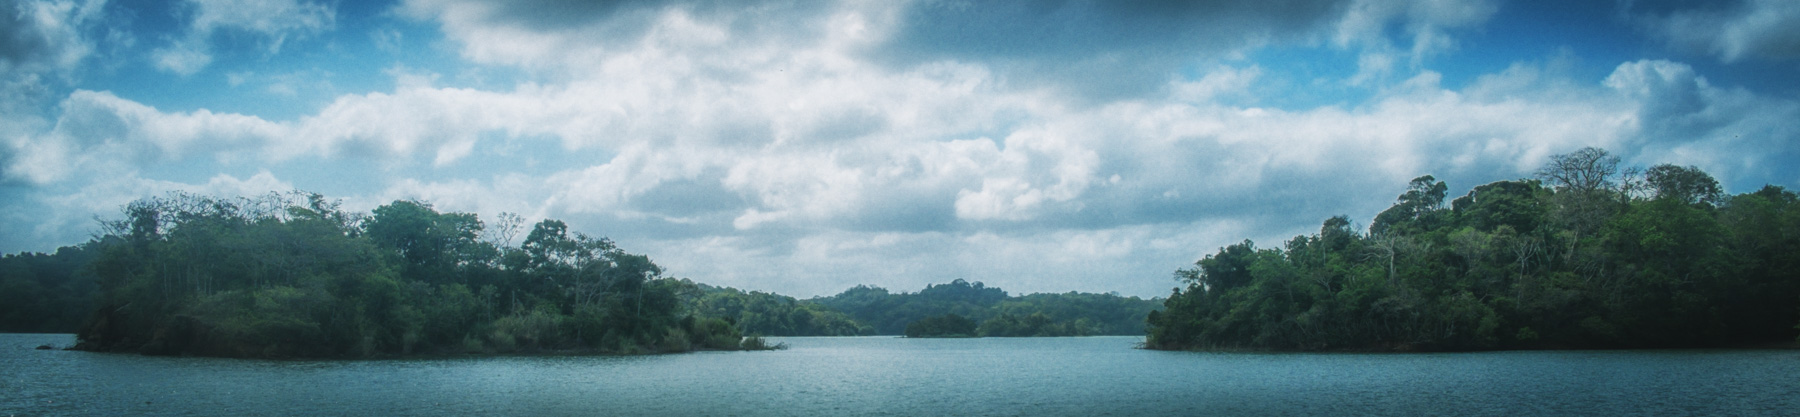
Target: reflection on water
(894, 376)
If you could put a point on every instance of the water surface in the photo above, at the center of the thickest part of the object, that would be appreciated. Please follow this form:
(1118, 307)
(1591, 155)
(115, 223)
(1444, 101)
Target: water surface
(895, 376)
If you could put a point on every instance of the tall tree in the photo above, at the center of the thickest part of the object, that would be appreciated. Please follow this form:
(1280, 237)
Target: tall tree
(1585, 170)
(1685, 184)
(1424, 196)
(432, 244)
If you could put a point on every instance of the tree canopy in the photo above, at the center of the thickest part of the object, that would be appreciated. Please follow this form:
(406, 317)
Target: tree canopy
(294, 276)
(1600, 257)
(994, 312)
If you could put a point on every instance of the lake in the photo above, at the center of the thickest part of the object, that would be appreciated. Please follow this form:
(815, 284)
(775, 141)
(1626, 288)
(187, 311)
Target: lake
(829, 376)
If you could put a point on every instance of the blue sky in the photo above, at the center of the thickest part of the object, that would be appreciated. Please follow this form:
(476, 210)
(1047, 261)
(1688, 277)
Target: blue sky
(804, 147)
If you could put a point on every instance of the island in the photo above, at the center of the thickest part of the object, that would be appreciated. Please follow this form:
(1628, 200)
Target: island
(293, 276)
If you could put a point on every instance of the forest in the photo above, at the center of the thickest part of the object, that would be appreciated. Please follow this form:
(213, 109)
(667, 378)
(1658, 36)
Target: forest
(865, 310)
(292, 275)
(772, 314)
(996, 314)
(47, 293)
(1586, 254)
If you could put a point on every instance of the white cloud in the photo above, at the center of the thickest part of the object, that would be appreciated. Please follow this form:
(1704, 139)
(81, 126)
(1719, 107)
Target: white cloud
(41, 46)
(274, 21)
(185, 57)
(44, 36)
(69, 216)
(100, 132)
(1132, 260)
(1427, 25)
(275, 18)
(1737, 136)
(1751, 28)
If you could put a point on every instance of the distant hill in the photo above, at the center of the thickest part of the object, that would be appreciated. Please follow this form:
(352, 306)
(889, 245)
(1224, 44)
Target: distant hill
(1066, 314)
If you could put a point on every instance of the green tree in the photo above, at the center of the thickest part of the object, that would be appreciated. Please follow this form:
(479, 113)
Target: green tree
(1685, 184)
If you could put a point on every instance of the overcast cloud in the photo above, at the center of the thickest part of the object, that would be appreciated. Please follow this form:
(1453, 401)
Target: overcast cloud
(804, 147)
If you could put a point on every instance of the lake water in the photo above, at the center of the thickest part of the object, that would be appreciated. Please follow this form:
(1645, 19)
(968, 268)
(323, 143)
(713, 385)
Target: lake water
(895, 376)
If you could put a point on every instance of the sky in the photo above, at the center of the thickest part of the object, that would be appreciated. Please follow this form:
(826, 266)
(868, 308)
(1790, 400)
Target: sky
(804, 147)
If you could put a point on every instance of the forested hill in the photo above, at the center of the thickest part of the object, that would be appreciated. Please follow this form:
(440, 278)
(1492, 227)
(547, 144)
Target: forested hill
(1066, 314)
(294, 276)
(1585, 255)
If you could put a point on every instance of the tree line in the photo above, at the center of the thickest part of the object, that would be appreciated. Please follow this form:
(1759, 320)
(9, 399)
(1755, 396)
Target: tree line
(47, 292)
(992, 310)
(293, 275)
(771, 314)
(1586, 254)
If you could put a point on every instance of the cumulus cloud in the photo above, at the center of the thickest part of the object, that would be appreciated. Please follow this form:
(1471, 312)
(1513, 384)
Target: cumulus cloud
(1426, 25)
(1732, 31)
(100, 132)
(273, 21)
(1681, 118)
(43, 36)
(41, 44)
(68, 214)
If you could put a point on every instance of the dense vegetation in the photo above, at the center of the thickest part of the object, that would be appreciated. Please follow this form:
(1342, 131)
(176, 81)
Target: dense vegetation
(294, 276)
(1067, 314)
(1585, 255)
(769, 314)
(948, 325)
(47, 293)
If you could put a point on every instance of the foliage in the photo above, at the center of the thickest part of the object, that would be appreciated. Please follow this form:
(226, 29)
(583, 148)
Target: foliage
(948, 325)
(1599, 259)
(1067, 314)
(47, 293)
(293, 276)
(770, 314)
